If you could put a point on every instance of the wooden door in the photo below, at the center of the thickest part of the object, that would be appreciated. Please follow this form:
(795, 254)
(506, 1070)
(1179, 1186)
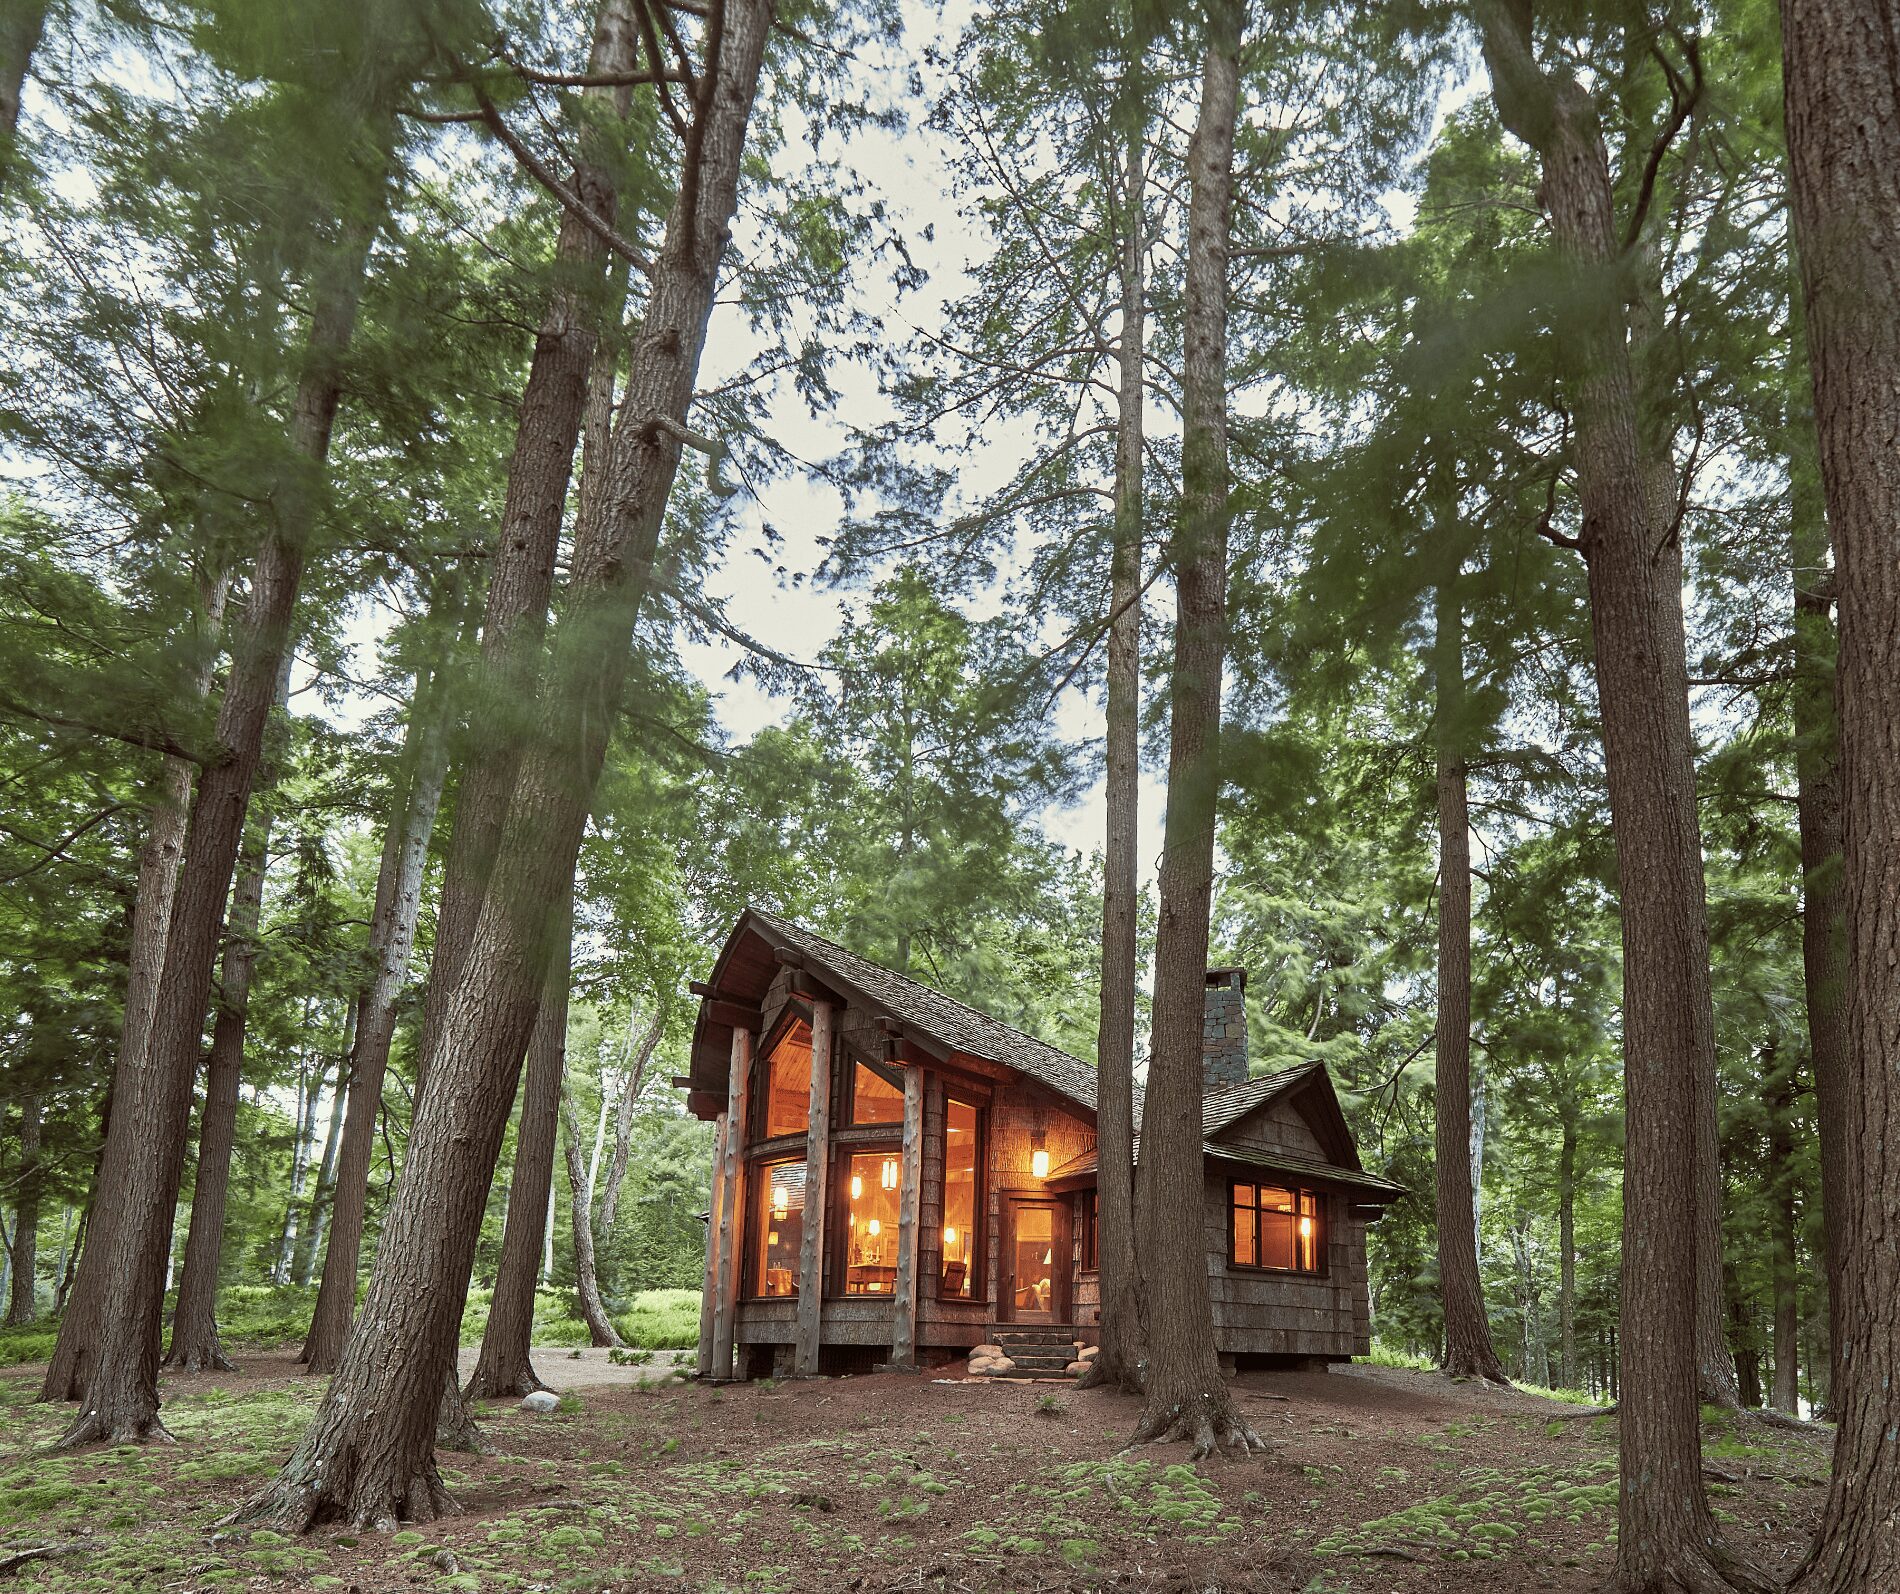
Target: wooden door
(1034, 1262)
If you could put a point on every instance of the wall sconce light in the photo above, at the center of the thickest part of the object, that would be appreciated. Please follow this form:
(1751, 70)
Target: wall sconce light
(857, 1187)
(1048, 1256)
(771, 1237)
(779, 1203)
(1038, 1157)
(875, 1227)
(949, 1234)
(887, 1176)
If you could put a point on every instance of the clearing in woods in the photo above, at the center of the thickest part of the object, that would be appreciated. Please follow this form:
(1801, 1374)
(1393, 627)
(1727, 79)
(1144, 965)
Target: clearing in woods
(1382, 1482)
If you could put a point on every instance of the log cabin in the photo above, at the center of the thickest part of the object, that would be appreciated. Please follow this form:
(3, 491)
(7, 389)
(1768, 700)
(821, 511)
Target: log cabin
(899, 1177)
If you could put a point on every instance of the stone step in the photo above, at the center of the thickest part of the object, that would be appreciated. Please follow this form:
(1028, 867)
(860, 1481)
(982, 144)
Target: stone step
(1047, 1361)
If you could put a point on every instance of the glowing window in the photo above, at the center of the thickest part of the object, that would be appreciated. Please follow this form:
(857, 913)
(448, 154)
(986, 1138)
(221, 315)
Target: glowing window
(962, 1239)
(872, 1184)
(874, 1099)
(788, 1084)
(778, 1226)
(1271, 1227)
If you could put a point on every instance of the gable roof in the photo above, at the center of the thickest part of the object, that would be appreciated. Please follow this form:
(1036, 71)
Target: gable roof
(949, 1022)
(1081, 1171)
(1228, 1104)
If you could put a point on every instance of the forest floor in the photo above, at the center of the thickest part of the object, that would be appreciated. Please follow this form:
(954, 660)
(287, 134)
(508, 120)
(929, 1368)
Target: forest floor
(1380, 1481)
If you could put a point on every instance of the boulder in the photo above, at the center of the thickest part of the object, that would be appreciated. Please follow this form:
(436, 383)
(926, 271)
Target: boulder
(986, 1350)
(1088, 1353)
(1076, 1369)
(542, 1401)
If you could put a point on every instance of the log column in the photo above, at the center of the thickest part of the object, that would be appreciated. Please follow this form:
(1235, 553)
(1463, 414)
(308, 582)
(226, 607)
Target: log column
(709, 1293)
(731, 1209)
(811, 1246)
(904, 1310)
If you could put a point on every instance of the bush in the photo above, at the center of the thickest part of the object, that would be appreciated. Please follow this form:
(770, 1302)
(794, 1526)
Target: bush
(661, 1320)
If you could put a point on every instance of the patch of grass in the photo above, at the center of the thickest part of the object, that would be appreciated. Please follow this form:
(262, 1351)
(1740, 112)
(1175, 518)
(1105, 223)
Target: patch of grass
(661, 1320)
(1383, 1355)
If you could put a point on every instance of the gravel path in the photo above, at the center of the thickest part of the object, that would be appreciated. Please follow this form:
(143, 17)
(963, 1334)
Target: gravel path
(586, 1367)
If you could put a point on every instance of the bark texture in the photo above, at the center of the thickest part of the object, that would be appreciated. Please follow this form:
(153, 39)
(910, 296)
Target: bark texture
(392, 938)
(195, 1347)
(1469, 1352)
(1818, 814)
(1781, 1173)
(1666, 1537)
(1119, 1362)
(1185, 1395)
(368, 1458)
(505, 1366)
(1842, 67)
(122, 1391)
(157, 885)
(521, 567)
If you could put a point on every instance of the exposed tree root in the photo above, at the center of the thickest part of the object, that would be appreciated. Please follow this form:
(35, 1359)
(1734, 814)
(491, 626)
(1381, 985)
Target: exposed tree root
(486, 1385)
(105, 1428)
(455, 1427)
(1690, 1570)
(1768, 1417)
(295, 1506)
(1208, 1422)
(200, 1359)
(1578, 1413)
(1103, 1374)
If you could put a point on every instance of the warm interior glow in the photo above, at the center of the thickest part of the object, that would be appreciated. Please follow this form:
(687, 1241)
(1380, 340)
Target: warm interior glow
(1306, 1228)
(887, 1175)
(1039, 1163)
(777, 1225)
(961, 1139)
(870, 1260)
(874, 1099)
(788, 1082)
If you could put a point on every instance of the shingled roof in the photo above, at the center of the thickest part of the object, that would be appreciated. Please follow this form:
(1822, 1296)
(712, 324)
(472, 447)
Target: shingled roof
(942, 1018)
(1230, 1103)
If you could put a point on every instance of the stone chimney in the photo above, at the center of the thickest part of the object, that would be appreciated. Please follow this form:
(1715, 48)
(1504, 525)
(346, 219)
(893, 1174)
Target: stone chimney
(1224, 1028)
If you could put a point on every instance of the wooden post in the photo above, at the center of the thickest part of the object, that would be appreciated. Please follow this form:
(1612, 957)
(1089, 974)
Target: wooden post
(731, 1219)
(904, 1314)
(709, 1294)
(811, 1247)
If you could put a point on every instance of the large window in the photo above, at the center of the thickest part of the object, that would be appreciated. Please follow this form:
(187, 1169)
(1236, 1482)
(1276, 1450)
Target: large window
(962, 1192)
(787, 1090)
(874, 1099)
(872, 1181)
(778, 1225)
(1271, 1227)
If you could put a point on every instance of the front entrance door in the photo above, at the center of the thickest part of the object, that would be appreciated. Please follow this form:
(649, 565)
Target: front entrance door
(1035, 1259)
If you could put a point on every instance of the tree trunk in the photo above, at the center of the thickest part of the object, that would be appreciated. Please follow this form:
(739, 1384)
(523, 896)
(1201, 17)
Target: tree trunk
(1818, 813)
(122, 1393)
(1783, 1233)
(1666, 1538)
(22, 1302)
(1742, 1336)
(1119, 1362)
(609, 1196)
(21, 24)
(317, 1217)
(1186, 1396)
(300, 1155)
(1567, 1249)
(195, 1347)
(157, 885)
(1469, 1352)
(521, 567)
(1843, 116)
(600, 1328)
(368, 1457)
(392, 938)
(505, 1366)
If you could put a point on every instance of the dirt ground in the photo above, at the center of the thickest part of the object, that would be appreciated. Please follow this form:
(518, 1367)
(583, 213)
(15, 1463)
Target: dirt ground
(1378, 1482)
